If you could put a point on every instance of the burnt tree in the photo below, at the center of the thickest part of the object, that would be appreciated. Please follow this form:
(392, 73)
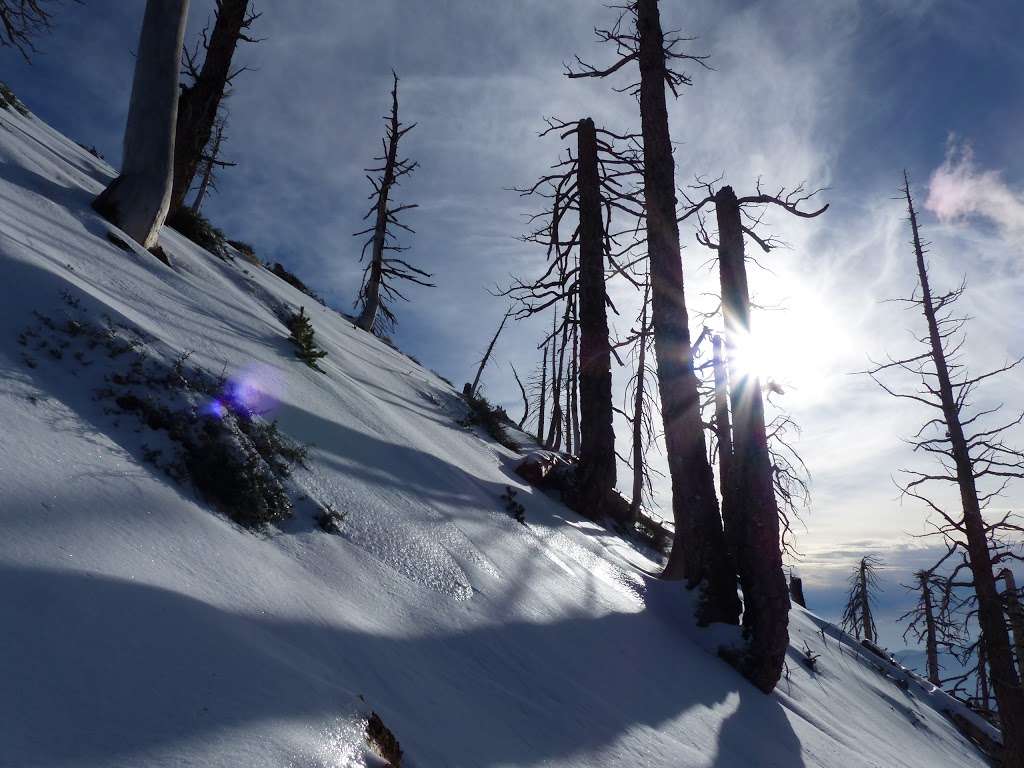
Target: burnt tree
(584, 189)
(210, 163)
(138, 200)
(487, 355)
(698, 554)
(1015, 616)
(858, 618)
(382, 271)
(750, 508)
(969, 452)
(200, 101)
(930, 621)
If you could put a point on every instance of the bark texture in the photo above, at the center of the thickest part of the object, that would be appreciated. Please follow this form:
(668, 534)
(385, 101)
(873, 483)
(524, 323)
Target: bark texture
(597, 449)
(198, 103)
(1015, 613)
(752, 509)
(698, 554)
(138, 200)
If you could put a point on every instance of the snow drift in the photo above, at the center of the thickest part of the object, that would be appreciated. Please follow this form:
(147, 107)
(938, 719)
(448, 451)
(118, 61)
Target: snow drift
(143, 628)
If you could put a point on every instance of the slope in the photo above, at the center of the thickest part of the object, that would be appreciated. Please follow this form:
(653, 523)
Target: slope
(141, 628)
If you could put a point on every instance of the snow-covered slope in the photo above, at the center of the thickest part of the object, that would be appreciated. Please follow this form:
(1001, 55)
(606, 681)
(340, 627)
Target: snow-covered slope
(140, 628)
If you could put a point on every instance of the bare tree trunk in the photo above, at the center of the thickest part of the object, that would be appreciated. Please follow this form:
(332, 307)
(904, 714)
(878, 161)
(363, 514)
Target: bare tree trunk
(575, 404)
(198, 103)
(526, 400)
(371, 291)
(701, 558)
(753, 502)
(555, 432)
(867, 621)
(597, 453)
(796, 590)
(638, 414)
(1016, 616)
(487, 354)
(137, 201)
(995, 642)
(931, 637)
(209, 167)
(731, 522)
(543, 397)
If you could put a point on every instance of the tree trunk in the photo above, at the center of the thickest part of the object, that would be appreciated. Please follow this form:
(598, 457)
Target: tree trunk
(765, 596)
(555, 431)
(543, 397)
(597, 452)
(995, 641)
(1016, 616)
(576, 438)
(931, 642)
(137, 201)
(867, 622)
(796, 590)
(198, 103)
(487, 355)
(638, 415)
(723, 431)
(371, 292)
(698, 553)
(209, 164)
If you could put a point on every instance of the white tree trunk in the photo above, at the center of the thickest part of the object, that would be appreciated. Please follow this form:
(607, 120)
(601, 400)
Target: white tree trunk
(138, 199)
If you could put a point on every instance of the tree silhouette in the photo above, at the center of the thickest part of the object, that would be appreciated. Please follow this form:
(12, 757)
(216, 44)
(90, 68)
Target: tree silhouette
(699, 553)
(382, 272)
(200, 100)
(969, 451)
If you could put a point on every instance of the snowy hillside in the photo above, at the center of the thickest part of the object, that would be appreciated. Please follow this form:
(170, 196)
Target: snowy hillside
(142, 628)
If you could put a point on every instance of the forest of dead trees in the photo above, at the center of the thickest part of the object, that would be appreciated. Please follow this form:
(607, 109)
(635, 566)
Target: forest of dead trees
(612, 210)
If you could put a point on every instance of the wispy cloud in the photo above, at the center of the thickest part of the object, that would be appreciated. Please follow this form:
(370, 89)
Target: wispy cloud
(959, 191)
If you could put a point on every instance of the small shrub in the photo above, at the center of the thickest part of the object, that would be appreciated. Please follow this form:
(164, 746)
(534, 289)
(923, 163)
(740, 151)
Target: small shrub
(491, 418)
(246, 251)
(303, 337)
(199, 230)
(293, 281)
(810, 658)
(513, 507)
(9, 101)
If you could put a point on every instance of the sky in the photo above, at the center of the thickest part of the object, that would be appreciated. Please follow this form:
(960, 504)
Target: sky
(842, 94)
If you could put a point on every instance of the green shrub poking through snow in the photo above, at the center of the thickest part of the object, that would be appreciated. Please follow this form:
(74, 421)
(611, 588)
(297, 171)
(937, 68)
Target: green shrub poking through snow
(303, 337)
(199, 230)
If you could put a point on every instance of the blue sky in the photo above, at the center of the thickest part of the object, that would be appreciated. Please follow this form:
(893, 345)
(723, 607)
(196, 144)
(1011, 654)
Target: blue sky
(841, 94)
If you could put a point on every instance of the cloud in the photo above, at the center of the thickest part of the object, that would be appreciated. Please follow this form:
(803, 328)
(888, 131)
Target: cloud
(958, 191)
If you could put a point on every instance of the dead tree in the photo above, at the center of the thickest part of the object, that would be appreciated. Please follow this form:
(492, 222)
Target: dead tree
(723, 440)
(574, 404)
(750, 509)
(857, 615)
(526, 400)
(699, 553)
(21, 21)
(968, 451)
(487, 355)
(200, 101)
(930, 622)
(583, 189)
(796, 590)
(554, 440)
(1015, 616)
(543, 396)
(642, 407)
(210, 163)
(137, 201)
(382, 271)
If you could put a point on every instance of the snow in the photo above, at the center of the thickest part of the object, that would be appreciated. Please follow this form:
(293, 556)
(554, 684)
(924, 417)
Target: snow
(143, 629)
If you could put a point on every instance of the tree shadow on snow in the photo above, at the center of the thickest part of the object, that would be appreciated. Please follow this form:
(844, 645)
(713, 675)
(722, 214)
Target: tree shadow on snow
(98, 670)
